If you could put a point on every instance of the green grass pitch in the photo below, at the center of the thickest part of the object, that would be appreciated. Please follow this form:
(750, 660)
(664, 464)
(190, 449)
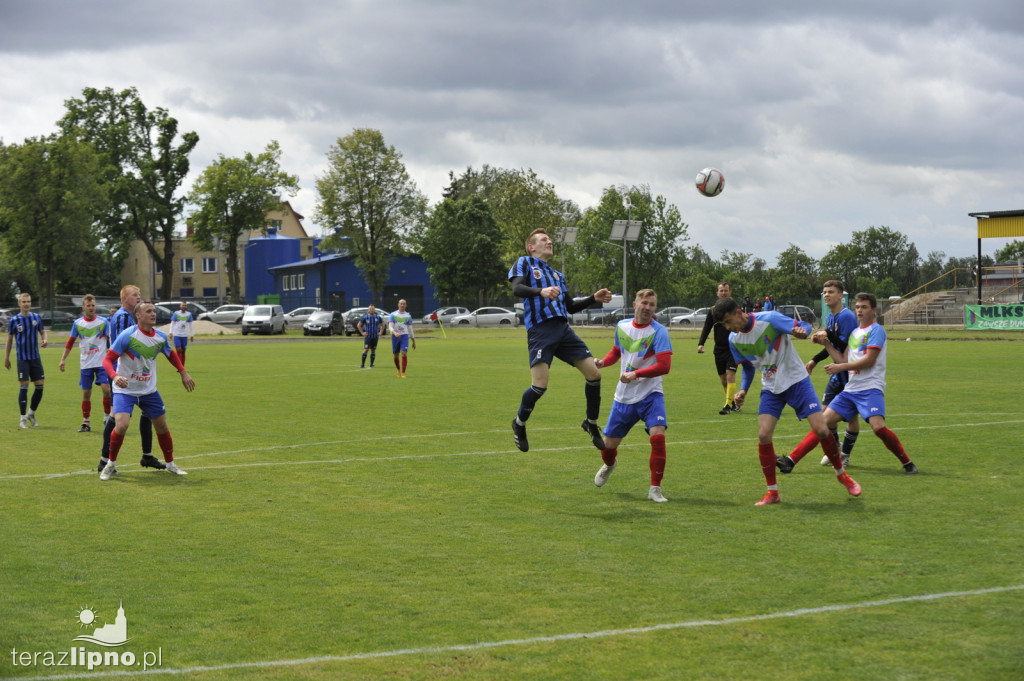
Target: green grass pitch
(339, 523)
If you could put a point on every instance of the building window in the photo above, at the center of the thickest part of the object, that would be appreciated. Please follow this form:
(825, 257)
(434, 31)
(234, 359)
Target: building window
(273, 226)
(209, 265)
(300, 281)
(187, 266)
(187, 293)
(159, 270)
(209, 292)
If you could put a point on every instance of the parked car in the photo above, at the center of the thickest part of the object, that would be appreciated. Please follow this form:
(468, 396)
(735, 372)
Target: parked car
(665, 314)
(695, 318)
(266, 319)
(801, 312)
(353, 316)
(487, 316)
(611, 317)
(195, 308)
(444, 314)
(6, 314)
(225, 314)
(58, 316)
(299, 315)
(323, 323)
(163, 314)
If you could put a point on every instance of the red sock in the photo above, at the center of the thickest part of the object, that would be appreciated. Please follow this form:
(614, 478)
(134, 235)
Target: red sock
(405, 362)
(893, 444)
(831, 451)
(166, 445)
(107, 403)
(766, 453)
(397, 364)
(86, 409)
(805, 447)
(657, 459)
(115, 444)
(608, 456)
(181, 356)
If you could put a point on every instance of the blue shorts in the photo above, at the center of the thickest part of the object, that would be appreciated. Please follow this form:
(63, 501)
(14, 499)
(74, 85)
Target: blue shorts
(31, 370)
(553, 338)
(370, 343)
(400, 343)
(97, 374)
(650, 410)
(800, 396)
(181, 342)
(867, 403)
(151, 405)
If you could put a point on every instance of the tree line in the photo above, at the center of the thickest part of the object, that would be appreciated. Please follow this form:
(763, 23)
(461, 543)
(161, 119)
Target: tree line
(71, 203)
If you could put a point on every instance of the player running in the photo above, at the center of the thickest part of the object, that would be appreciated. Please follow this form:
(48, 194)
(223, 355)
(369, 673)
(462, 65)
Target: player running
(400, 327)
(91, 330)
(181, 330)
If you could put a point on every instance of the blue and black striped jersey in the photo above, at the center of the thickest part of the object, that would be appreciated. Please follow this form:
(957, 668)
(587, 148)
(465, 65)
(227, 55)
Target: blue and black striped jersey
(26, 330)
(538, 274)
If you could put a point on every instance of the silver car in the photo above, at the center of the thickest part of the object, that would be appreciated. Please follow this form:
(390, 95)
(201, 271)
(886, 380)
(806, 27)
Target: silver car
(692, 319)
(444, 315)
(487, 316)
(299, 315)
(225, 314)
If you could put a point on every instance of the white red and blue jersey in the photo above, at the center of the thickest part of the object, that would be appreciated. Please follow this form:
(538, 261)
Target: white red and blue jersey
(139, 352)
(765, 345)
(538, 274)
(92, 335)
(181, 323)
(26, 330)
(863, 339)
(639, 346)
(400, 324)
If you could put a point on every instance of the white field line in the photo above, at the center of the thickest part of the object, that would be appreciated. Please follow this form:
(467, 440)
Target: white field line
(127, 468)
(553, 638)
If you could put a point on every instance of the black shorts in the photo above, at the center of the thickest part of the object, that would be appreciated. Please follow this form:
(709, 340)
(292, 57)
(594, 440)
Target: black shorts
(370, 343)
(724, 361)
(31, 370)
(553, 338)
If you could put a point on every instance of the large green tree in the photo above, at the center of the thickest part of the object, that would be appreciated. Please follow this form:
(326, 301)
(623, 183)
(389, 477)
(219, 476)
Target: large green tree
(143, 164)
(233, 197)
(49, 198)
(369, 203)
(461, 245)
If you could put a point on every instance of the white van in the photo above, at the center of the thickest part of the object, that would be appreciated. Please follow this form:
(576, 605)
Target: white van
(266, 319)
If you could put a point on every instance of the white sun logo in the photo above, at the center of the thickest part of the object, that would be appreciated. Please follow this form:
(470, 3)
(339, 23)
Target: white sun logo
(86, 616)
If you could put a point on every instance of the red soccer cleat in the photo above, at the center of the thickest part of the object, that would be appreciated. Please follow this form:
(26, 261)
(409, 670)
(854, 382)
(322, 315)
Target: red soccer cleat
(772, 497)
(849, 483)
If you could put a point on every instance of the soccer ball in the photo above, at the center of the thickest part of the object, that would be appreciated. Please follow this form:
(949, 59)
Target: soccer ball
(710, 182)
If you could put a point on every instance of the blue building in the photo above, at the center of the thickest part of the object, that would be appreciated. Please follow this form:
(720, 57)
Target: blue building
(261, 255)
(333, 282)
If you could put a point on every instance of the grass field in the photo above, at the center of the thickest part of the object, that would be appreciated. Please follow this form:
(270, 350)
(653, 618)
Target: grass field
(339, 523)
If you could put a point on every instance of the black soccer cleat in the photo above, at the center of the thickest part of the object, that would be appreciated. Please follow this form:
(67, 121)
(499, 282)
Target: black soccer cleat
(725, 410)
(519, 436)
(785, 464)
(909, 468)
(85, 428)
(150, 461)
(594, 432)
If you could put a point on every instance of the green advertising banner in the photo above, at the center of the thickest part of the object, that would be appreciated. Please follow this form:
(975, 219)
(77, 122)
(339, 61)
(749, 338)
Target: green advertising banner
(994, 317)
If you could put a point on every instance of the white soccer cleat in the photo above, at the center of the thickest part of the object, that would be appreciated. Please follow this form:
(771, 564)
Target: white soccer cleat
(23, 424)
(656, 495)
(603, 474)
(825, 461)
(107, 471)
(32, 418)
(173, 468)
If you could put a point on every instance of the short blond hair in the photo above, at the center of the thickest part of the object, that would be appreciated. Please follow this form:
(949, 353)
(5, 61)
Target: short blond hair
(534, 233)
(645, 293)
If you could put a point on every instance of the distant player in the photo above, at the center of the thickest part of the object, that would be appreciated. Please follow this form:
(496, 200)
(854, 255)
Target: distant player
(91, 330)
(181, 330)
(646, 352)
(725, 365)
(761, 341)
(369, 327)
(400, 326)
(547, 308)
(864, 394)
(25, 330)
(136, 351)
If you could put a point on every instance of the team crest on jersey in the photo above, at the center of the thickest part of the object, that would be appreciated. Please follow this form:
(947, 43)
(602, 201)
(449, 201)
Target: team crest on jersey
(536, 273)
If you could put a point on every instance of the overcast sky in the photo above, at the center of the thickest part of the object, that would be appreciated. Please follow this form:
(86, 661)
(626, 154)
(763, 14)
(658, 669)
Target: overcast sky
(824, 121)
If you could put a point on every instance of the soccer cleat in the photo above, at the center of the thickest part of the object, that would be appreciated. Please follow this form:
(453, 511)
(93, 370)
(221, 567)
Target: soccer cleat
(108, 470)
(150, 461)
(403, 375)
(849, 483)
(603, 474)
(735, 409)
(725, 410)
(594, 432)
(656, 495)
(845, 459)
(85, 428)
(519, 436)
(32, 419)
(398, 374)
(825, 461)
(784, 464)
(173, 468)
(23, 424)
(772, 497)
(909, 468)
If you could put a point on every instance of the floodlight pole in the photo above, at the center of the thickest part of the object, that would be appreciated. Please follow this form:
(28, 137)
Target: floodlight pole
(567, 238)
(626, 230)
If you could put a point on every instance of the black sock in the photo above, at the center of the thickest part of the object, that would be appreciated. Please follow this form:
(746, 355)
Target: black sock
(23, 398)
(108, 428)
(37, 397)
(529, 401)
(146, 433)
(849, 440)
(363, 363)
(593, 392)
